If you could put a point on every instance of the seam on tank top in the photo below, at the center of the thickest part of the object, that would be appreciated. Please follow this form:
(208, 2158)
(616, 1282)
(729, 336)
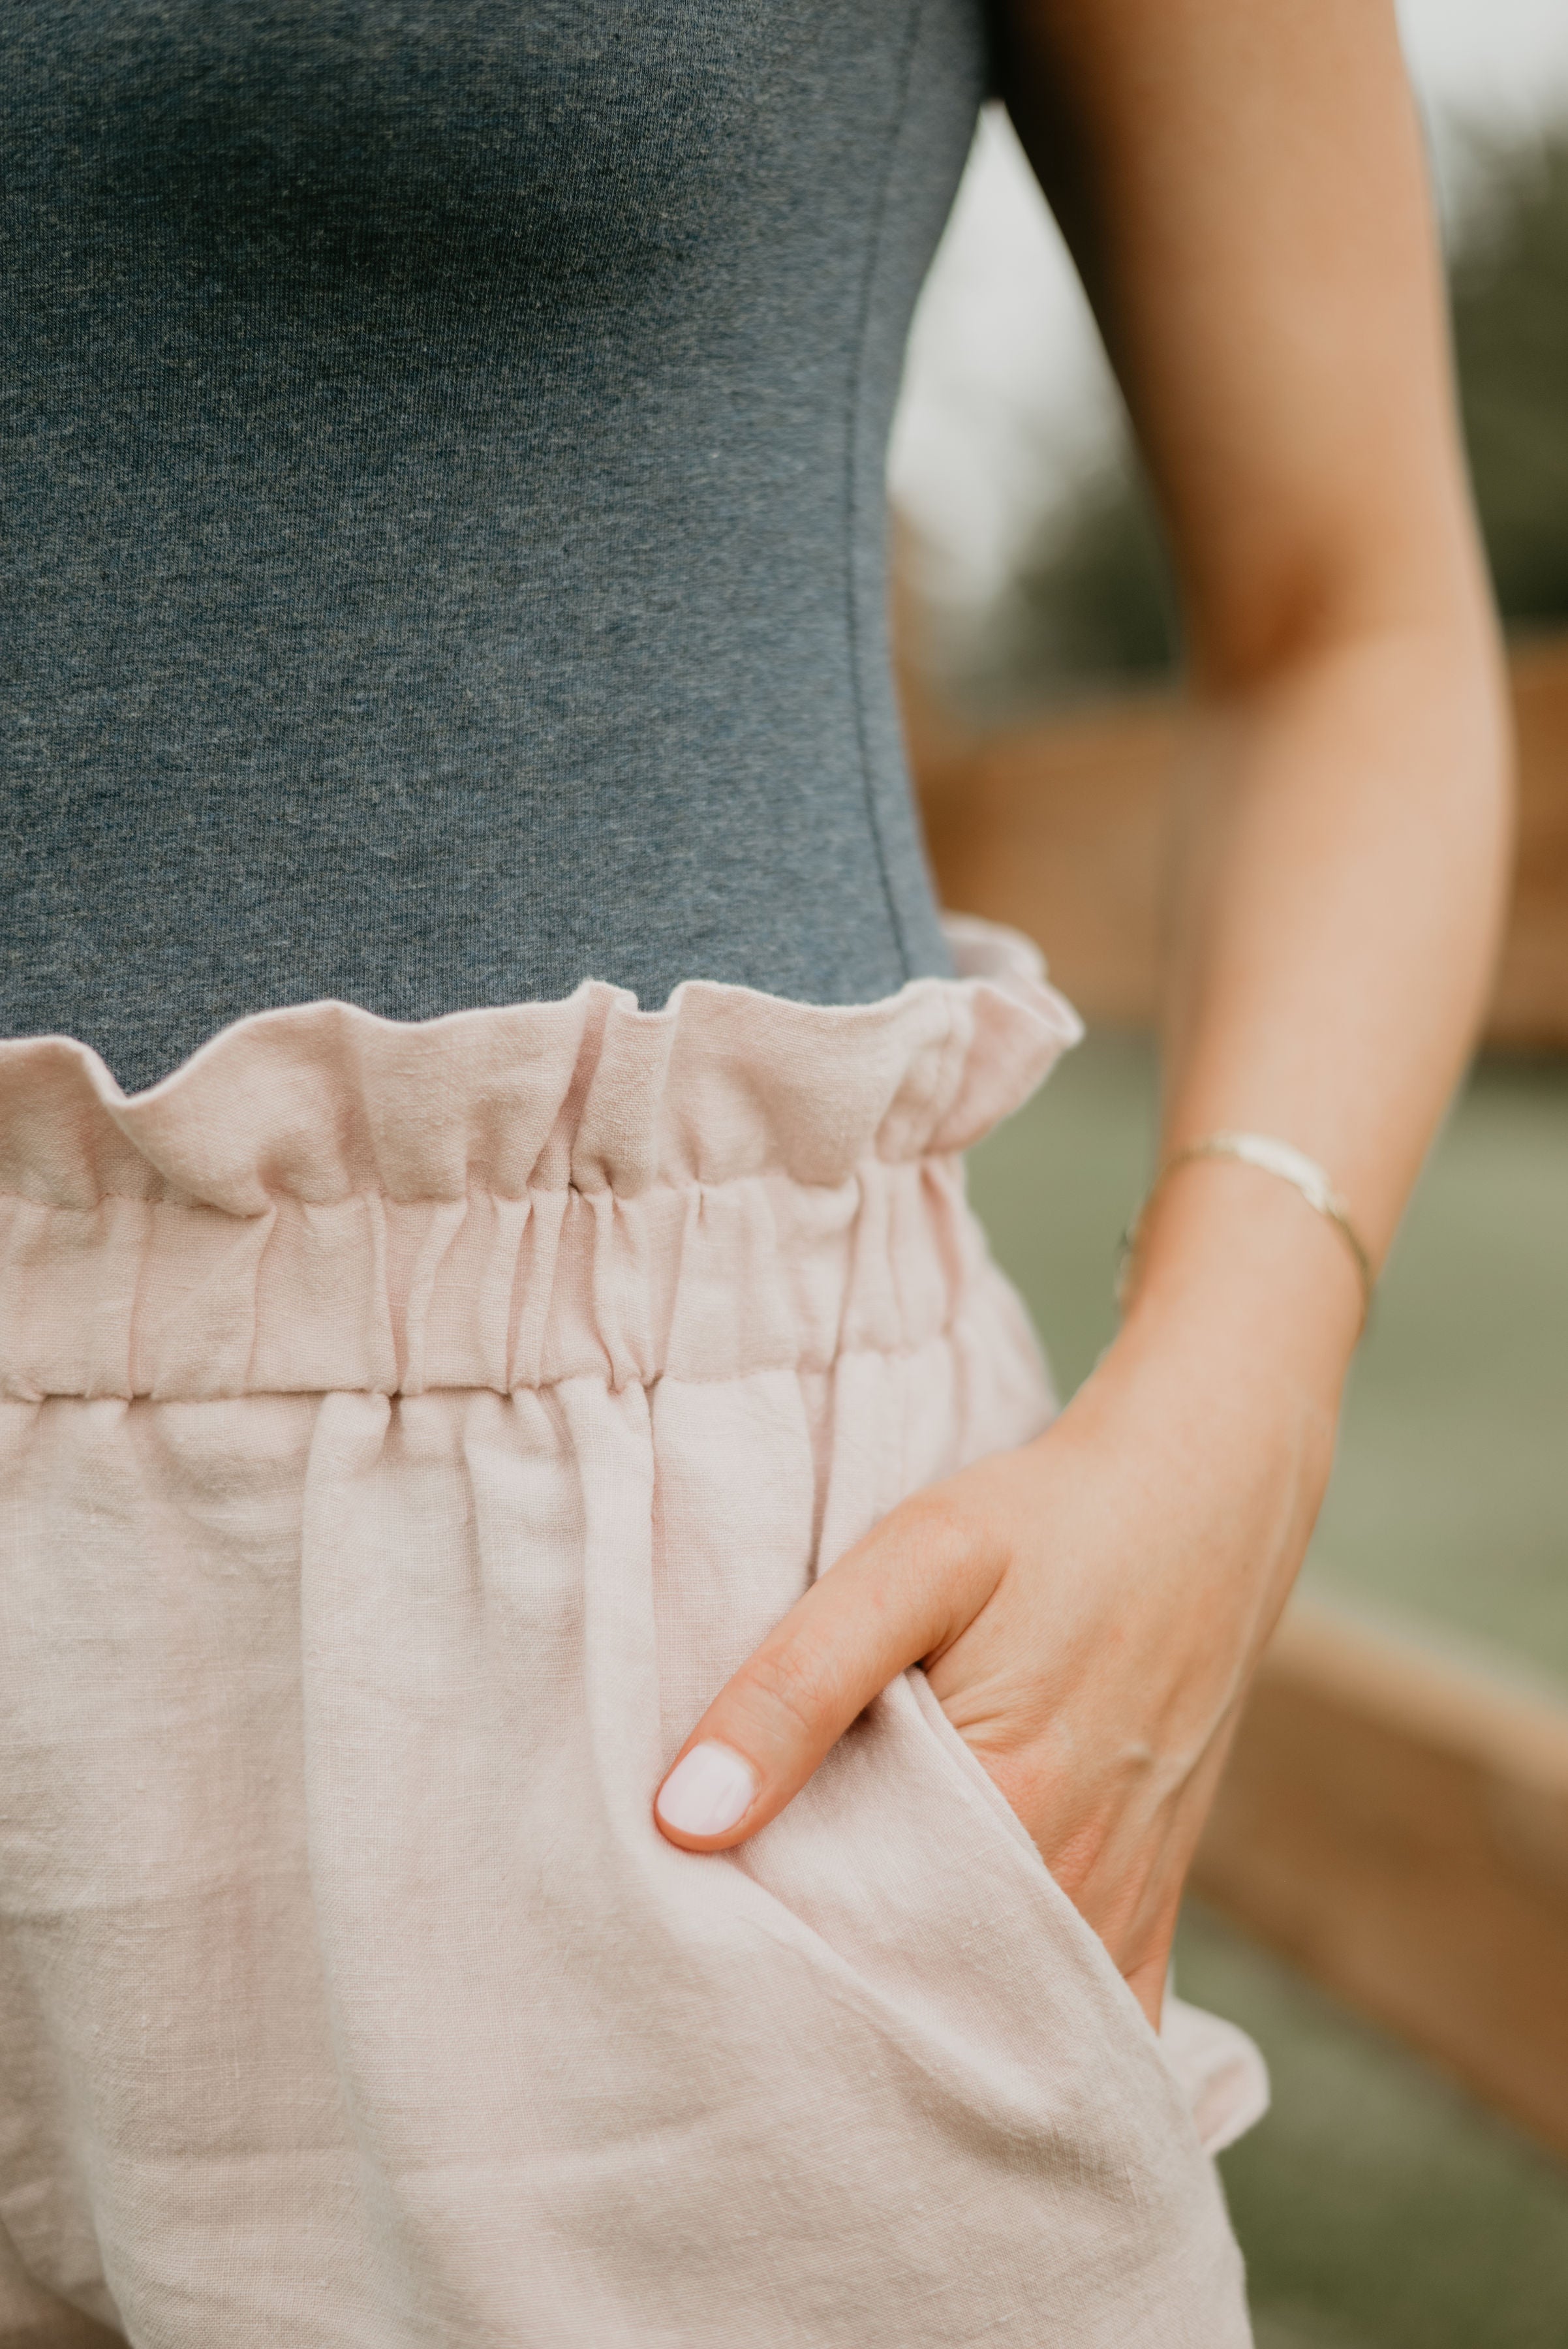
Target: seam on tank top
(853, 493)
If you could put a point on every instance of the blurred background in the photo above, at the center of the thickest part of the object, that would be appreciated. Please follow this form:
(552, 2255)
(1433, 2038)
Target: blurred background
(1382, 1897)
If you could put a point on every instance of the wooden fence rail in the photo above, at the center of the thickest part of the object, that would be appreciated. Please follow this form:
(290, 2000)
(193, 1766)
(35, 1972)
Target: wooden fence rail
(1397, 1824)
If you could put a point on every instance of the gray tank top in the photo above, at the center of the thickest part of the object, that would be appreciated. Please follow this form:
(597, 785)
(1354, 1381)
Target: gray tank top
(442, 452)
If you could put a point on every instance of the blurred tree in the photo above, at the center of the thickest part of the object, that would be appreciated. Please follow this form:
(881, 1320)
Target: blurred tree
(1091, 603)
(1510, 332)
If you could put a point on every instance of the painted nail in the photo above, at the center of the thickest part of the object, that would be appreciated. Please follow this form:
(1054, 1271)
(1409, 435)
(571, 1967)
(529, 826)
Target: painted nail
(707, 1790)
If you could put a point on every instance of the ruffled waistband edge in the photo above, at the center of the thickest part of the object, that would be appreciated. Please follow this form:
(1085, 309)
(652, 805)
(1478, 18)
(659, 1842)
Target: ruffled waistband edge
(324, 1102)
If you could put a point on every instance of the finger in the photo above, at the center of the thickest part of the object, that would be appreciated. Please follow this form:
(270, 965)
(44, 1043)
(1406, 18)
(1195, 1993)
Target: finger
(904, 1590)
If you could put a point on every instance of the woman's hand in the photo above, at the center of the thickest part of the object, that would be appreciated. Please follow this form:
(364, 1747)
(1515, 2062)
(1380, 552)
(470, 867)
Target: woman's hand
(1088, 1607)
(1243, 190)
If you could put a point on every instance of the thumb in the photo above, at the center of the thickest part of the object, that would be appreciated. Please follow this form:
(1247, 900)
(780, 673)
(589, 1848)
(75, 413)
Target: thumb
(904, 1591)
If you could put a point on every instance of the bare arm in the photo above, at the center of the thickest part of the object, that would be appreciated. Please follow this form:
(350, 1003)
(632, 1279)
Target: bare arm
(1243, 191)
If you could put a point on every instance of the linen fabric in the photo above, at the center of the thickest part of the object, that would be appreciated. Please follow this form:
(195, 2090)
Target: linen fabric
(405, 1431)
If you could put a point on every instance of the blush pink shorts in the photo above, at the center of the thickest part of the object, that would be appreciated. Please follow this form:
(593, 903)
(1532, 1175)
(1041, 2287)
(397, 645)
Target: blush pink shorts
(406, 1430)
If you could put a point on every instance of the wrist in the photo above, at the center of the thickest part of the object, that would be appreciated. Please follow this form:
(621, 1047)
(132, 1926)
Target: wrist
(1222, 1395)
(1237, 1272)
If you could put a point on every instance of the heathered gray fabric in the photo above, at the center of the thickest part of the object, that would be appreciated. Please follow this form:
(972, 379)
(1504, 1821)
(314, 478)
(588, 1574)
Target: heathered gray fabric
(443, 452)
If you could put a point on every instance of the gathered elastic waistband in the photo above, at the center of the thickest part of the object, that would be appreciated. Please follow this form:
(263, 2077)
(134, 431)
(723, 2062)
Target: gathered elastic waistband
(321, 1198)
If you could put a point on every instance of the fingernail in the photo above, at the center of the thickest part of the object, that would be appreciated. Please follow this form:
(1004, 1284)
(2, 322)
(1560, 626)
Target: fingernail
(707, 1790)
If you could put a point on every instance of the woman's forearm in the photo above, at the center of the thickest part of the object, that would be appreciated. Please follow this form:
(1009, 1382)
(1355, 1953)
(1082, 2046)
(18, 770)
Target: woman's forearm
(1247, 197)
(1339, 881)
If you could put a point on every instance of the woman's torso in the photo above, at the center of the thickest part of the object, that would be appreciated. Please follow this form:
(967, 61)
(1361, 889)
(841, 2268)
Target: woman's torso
(443, 452)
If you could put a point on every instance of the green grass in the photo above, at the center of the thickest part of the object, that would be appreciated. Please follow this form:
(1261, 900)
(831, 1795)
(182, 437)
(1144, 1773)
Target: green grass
(1379, 2206)
(1054, 1187)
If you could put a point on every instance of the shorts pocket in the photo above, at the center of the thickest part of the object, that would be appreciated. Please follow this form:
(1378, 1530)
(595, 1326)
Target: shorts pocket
(1220, 2072)
(995, 1817)
(959, 2057)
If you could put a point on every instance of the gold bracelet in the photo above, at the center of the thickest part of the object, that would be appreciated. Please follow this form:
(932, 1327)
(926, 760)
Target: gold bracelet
(1274, 1158)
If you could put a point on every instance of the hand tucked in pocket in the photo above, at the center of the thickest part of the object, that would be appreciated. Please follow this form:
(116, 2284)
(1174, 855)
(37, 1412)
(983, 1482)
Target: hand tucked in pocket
(1088, 1610)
